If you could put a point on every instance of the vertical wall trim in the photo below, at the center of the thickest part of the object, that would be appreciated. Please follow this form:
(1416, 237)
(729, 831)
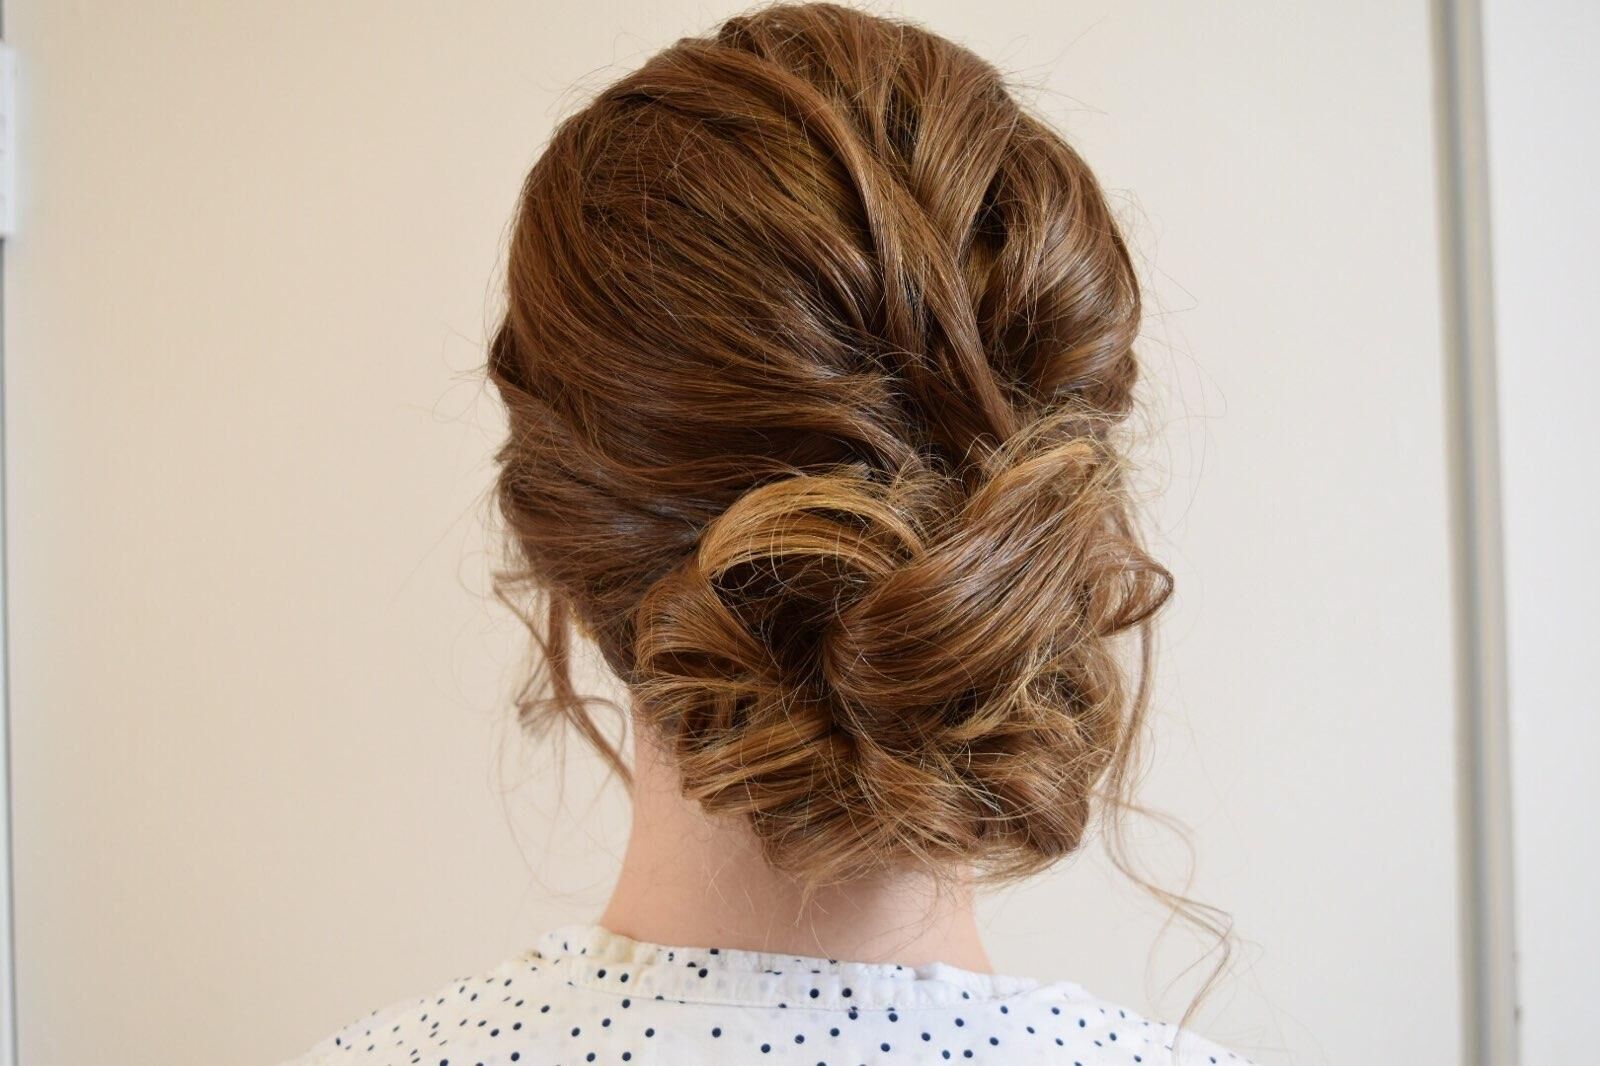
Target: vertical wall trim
(1489, 1006)
(8, 925)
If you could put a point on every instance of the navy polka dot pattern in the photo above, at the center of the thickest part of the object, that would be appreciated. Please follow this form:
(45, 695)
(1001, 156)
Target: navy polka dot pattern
(588, 995)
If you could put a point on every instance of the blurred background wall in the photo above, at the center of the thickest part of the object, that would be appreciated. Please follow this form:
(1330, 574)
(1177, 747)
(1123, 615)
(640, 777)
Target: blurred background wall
(1543, 94)
(264, 778)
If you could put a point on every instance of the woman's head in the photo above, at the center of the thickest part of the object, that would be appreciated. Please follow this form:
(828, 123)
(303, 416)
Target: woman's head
(816, 354)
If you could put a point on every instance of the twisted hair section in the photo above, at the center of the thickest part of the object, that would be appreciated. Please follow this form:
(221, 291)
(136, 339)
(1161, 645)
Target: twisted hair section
(817, 356)
(879, 667)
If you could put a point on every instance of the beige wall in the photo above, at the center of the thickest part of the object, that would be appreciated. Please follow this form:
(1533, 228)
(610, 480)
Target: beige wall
(262, 777)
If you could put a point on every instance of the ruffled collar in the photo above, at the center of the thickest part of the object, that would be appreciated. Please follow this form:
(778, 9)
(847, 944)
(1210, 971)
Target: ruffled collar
(596, 957)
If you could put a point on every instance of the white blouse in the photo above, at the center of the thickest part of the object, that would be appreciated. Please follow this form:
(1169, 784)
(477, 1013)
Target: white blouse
(588, 995)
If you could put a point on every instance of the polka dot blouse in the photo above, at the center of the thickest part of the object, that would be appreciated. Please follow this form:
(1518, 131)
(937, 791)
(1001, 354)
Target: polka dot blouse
(588, 995)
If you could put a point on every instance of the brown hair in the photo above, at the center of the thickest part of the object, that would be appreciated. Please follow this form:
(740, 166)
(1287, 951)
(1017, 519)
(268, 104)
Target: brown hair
(817, 352)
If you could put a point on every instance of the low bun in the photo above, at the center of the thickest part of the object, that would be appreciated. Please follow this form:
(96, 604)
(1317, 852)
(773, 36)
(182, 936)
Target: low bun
(875, 669)
(816, 357)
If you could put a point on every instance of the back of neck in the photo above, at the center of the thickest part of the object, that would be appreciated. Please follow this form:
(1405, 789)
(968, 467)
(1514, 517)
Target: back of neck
(688, 879)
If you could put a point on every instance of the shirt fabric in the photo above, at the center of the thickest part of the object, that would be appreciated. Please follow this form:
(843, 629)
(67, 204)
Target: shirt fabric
(588, 995)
